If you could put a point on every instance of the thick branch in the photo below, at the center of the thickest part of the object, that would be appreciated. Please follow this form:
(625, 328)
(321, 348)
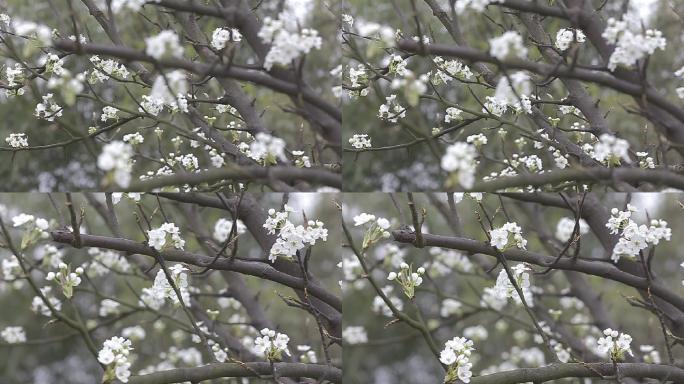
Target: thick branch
(597, 268)
(215, 371)
(252, 268)
(560, 371)
(202, 69)
(585, 175)
(283, 173)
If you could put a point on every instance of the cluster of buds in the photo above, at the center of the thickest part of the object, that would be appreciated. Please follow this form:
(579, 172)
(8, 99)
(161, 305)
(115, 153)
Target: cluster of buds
(66, 279)
(408, 279)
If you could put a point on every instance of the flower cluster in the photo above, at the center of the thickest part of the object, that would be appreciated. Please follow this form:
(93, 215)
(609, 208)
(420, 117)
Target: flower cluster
(610, 150)
(66, 279)
(267, 149)
(475, 5)
(509, 235)
(34, 228)
(360, 141)
(272, 344)
(566, 227)
(565, 37)
(114, 355)
(48, 109)
(106, 68)
(456, 355)
(223, 227)
(105, 260)
(288, 41)
(166, 43)
(354, 335)
(221, 36)
(391, 110)
(508, 45)
(109, 113)
(13, 335)
(452, 114)
(377, 228)
(155, 296)
(632, 42)
(17, 140)
(504, 289)
(292, 238)
(108, 307)
(408, 279)
(615, 344)
(450, 69)
(460, 160)
(38, 305)
(514, 90)
(116, 160)
(158, 237)
(634, 237)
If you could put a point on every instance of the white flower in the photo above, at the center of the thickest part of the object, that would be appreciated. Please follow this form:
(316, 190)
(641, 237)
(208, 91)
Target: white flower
(287, 38)
(116, 158)
(223, 227)
(292, 238)
(135, 332)
(475, 5)
(267, 148)
(456, 355)
(452, 114)
(565, 227)
(504, 289)
(271, 345)
(109, 113)
(610, 150)
(132, 5)
(13, 335)
(363, 219)
(106, 68)
(634, 237)
(459, 159)
(221, 36)
(508, 45)
(155, 296)
(614, 344)
(391, 111)
(108, 307)
(360, 141)
(477, 140)
(450, 307)
(354, 335)
(134, 138)
(158, 236)
(632, 43)
(163, 44)
(566, 36)
(17, 140)
(48, 109)
(114, 355)
(407, 279)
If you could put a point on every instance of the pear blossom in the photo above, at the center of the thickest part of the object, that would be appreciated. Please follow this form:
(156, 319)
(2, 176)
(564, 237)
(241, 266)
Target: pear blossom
(13, 335)
(221, 36)
(115, 355)
(271, 344)
(456, 355)
(354, 335)
(158, 237)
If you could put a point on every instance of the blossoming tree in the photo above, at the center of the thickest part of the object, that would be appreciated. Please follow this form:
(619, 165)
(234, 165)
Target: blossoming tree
(513, 95)
(169, 288)
(513, 288)
(139, 95)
